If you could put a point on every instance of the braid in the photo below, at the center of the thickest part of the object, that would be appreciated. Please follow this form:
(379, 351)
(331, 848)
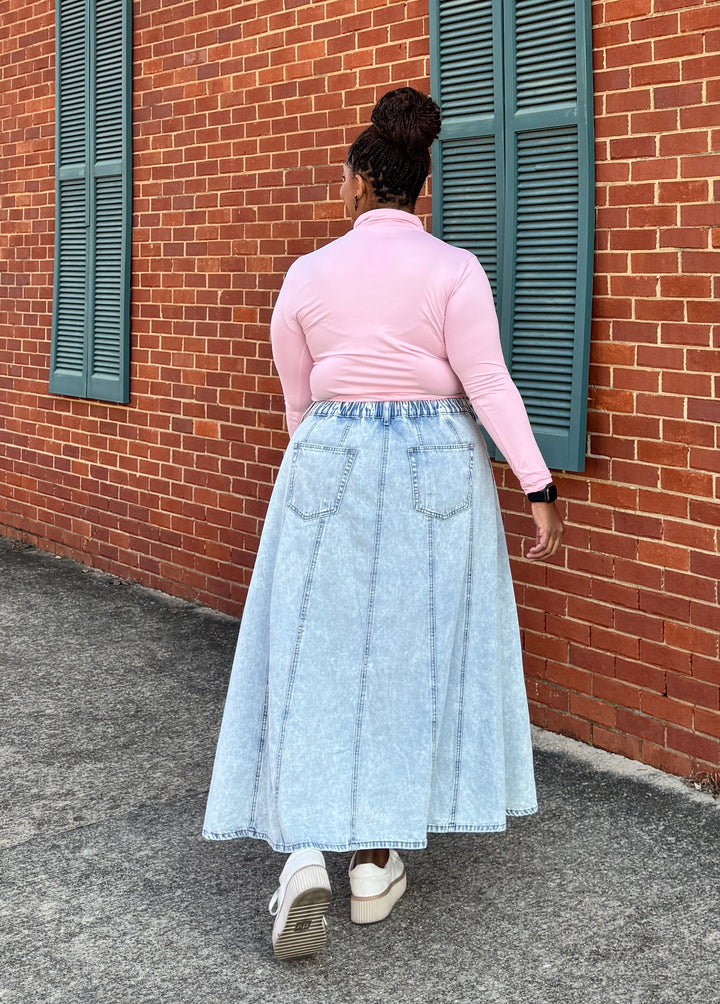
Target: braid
(392, 154)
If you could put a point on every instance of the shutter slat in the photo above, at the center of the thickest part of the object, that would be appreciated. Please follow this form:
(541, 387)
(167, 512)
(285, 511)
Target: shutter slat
(72, 251)
(107, 334)
(466, 49)
(470, 209)
(70, 126)
(544, 179)
(109, 80)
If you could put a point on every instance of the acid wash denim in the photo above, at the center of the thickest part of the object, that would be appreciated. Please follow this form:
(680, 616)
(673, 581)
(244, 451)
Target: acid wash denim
(377, 691)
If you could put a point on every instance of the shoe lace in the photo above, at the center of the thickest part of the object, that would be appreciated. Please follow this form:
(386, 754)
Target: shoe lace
(274, 904)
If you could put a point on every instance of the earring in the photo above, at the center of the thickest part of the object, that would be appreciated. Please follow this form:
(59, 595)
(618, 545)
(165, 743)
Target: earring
(355, 203)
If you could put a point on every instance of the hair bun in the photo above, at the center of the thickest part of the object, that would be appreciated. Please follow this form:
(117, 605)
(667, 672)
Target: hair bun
(407, 118)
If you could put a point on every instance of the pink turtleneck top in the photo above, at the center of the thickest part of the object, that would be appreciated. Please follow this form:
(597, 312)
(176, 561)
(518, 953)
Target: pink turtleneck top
(390, 313)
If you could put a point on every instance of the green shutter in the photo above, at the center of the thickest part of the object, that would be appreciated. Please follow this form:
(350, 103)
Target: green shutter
(466, 78)
(67, 369)
(541, 50)
(548, 228)
(90, 339)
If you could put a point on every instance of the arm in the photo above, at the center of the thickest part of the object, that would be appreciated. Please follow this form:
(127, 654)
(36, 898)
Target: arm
(472, 341)
(292, 356)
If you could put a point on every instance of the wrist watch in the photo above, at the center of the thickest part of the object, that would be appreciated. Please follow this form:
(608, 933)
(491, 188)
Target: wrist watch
(548, 494)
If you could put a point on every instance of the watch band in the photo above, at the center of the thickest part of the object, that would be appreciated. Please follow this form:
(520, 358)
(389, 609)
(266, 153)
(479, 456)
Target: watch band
(548, 494)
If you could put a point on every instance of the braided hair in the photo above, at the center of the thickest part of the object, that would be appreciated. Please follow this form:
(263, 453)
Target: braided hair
(393, 153)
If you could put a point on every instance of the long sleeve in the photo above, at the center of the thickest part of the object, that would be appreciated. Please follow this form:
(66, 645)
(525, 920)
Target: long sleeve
(473, 347)
(292, 357)
(389, 312)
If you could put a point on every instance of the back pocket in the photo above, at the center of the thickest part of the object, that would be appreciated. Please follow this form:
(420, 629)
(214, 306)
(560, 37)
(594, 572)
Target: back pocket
(318, 478)
(441, 478)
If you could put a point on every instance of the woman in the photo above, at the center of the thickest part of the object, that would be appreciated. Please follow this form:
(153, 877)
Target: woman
(377, 692)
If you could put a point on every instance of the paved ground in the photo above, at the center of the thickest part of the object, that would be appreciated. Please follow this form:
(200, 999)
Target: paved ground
(110, 701)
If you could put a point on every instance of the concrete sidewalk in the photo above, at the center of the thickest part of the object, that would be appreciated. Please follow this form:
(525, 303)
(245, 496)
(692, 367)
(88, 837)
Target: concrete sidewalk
(110, 702)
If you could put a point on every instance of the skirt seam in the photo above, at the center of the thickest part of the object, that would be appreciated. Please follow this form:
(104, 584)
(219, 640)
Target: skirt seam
(379, 841)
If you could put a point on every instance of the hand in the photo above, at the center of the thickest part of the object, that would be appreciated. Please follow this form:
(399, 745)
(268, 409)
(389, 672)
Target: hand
(550, 529)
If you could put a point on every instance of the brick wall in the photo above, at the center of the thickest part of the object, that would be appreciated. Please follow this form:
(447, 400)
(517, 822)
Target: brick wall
(243, 113)
(621, 635)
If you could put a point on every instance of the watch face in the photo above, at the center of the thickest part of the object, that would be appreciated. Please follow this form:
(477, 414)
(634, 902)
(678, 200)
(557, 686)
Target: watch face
(548, 494)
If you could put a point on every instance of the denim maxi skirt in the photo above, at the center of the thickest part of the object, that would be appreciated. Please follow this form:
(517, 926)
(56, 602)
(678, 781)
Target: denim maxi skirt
(377, 692)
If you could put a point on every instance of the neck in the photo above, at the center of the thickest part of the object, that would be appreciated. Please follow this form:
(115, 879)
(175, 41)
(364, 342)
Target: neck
(394, 205)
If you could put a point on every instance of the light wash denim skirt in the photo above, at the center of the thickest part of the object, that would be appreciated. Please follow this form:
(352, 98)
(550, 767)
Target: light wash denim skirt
(377, 691)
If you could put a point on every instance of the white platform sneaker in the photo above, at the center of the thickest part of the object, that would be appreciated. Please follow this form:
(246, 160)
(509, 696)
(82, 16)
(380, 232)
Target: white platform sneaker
(299, 906)
(375, 891)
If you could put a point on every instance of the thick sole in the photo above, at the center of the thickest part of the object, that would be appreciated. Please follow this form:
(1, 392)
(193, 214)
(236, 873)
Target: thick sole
(305, 930)
(371, 909)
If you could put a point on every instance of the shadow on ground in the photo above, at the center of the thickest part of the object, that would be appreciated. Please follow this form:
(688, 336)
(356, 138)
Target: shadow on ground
(110, 702)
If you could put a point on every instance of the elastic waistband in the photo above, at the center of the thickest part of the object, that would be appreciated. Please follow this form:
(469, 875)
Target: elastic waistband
(387, 410)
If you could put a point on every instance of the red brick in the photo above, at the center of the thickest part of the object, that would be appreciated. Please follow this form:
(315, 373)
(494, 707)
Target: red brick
(678, 96)
(594, 711)
(635, 331)
(706, 668)
(632, 195)
(691, 585)
(624, 10)
(654, 27)
(641, 674)
(662, 454)
(648, 214)
(678, 46)
(704, 411)
(705, 512)
(660, 72)
(693, 744)
(596, 661)
(698, 215)
(616, 742)
(664, 759)
(634, 427)
(613, 642)
(666, 710)
(699, 18)
(550, 697)
(640, 475)
(568, 582)
(616, 692)
(628, 55)
(674, 192)
(684, 334)
(558, 721)
(659, 310)
(707, 722)
(641, 726)
(665, 657)
(688, 482)
(691, 639)
(696, 692)
(568, 676)
(545, 646)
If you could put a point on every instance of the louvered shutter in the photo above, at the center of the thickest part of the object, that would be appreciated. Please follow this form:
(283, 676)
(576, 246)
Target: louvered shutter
(541, 49)
(90, 343)
(466, 79)
(547, 258)
(68, 354)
